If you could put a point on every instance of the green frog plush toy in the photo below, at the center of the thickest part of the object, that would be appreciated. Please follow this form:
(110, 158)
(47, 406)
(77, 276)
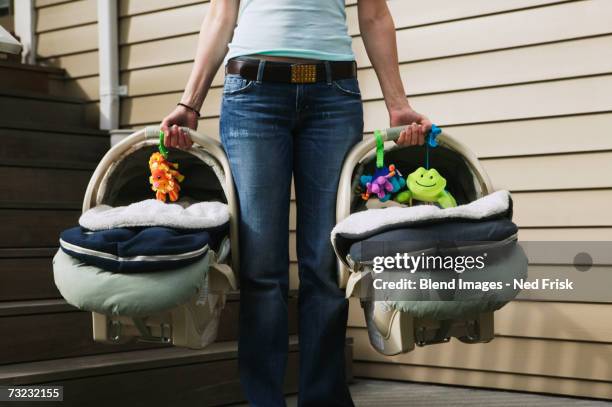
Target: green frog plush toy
(427, 186)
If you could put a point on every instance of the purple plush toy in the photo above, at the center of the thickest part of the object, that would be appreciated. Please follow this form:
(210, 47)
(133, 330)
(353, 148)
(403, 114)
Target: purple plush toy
(385, 182)
(380, 186)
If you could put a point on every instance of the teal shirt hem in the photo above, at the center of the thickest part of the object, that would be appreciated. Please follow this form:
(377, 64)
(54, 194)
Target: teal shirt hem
(293, 53)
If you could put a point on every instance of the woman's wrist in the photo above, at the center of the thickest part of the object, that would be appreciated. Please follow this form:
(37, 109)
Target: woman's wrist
(192, 101)
(397, 102)
(189, 109)
(399, 109)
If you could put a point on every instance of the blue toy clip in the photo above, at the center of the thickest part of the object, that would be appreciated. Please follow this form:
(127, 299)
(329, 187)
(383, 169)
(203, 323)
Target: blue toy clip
(431, 142)
(433, 135)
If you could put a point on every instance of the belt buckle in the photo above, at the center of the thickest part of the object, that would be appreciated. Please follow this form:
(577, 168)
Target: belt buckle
(303, 73)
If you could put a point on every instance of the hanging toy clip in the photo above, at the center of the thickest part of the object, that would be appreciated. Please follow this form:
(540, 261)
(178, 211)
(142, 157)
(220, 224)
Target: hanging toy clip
(162, 148)
(432, 142)
(386, 180)
(165, 177)
(433, 136)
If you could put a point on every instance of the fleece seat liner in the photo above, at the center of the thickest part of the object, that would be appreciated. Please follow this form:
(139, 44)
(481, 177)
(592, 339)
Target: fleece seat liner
(151, 212)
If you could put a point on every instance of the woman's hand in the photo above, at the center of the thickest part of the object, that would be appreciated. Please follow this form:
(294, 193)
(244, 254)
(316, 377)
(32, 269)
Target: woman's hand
(171, 126)
(418, 126)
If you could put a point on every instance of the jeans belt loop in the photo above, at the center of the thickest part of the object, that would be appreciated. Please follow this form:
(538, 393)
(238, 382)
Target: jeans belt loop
(260, 70)
(328, 72)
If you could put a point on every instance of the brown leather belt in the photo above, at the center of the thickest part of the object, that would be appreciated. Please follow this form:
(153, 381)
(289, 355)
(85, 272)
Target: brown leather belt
(274, 71)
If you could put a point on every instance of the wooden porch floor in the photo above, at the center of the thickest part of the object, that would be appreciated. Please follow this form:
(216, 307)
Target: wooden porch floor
(371, 393)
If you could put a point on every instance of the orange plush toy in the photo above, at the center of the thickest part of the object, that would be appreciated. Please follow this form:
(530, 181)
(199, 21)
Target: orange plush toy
(164, 178)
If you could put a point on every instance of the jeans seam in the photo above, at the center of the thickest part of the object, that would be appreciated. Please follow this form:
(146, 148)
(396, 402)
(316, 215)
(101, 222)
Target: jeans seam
(328, 72)
(260, 71)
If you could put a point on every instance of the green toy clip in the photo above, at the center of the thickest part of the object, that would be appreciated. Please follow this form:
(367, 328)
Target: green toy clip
(380, 149)
(162, 148)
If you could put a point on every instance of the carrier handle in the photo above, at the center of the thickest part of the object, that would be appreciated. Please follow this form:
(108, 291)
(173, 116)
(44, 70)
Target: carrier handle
(156, 133)
(393, 134)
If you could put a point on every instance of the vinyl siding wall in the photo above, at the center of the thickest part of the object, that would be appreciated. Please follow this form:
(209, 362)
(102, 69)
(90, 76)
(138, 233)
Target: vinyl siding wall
(67, 35)
(527, 84)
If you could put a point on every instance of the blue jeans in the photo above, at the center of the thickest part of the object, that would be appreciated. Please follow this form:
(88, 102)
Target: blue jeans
(270, 131)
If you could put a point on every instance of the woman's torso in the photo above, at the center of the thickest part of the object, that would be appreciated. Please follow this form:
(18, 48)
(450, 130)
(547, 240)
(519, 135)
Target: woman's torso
(307, 29)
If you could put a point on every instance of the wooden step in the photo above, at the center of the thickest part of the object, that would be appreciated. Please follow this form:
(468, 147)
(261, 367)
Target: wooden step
(27, 274)
(61, 128)
(41, 108)
(31, 322)
(43, 188)
(35, 228)
(46, 148)
(17, 76)
(154, 377)
(49, 329)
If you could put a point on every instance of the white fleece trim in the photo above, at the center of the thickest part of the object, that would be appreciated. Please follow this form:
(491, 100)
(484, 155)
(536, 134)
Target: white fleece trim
(152, 212)
(365, 222)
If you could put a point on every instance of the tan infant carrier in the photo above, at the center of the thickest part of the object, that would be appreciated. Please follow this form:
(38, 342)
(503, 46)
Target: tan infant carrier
(395, 324)
(179, 305)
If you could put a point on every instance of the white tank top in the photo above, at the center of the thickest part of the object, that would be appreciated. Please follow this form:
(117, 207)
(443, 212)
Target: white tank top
(311, 29)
